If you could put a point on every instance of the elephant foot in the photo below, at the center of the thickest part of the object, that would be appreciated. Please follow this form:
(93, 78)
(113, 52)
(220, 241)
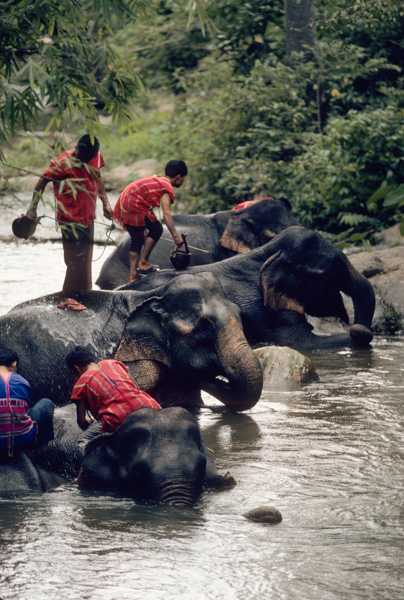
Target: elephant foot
(361, 335)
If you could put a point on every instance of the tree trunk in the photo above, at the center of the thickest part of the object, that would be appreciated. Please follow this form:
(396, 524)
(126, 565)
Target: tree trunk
(301, 32)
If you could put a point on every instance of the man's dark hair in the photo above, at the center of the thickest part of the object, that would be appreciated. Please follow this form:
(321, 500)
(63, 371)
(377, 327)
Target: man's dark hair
(7, 357)
(176, 167)
(79, 357)
(87, 149)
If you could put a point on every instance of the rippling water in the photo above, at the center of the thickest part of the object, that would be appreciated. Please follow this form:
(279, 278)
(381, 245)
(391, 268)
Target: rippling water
(329, 457)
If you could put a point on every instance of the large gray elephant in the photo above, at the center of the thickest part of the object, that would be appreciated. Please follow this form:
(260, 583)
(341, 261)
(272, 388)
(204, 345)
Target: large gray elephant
(153, 455)
(276, 285)
(177, 341)
(221, 235)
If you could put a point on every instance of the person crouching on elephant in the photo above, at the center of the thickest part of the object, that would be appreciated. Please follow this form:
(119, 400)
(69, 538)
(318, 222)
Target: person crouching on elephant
(134, 210)
(106, 390)
(20, 426)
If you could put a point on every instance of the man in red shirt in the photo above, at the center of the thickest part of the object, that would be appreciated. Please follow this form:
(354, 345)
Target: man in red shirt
(134, 209)
(106, 390)
(75, 211)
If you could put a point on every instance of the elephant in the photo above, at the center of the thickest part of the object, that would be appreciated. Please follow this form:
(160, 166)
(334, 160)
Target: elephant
(20, 474)
(221, 235)
(154, 455)
(185, 338)
(276, 285)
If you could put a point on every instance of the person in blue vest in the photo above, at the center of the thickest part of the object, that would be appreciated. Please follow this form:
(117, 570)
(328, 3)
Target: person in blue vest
(21, 426)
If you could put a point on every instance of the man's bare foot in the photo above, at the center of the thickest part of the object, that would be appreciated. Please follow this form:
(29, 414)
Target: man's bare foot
(134, 278)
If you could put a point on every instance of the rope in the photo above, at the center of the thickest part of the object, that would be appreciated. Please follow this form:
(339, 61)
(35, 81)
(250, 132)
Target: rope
(108, 232)
(111, 228)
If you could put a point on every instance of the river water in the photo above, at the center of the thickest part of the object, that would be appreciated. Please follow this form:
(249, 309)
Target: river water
(329, 456)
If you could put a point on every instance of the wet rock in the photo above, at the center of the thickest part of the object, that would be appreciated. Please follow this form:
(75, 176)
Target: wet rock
(284, 367)
(264, 514)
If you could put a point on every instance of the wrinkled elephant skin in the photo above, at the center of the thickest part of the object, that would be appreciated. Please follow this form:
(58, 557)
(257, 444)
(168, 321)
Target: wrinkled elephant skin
(276, 285)
(181, 339)
(221, 235)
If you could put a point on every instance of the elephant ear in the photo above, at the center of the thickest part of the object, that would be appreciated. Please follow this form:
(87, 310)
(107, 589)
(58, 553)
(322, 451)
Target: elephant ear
(250, 227)
(99, 466)
(279, 284)
(240, 233)
(144, 338)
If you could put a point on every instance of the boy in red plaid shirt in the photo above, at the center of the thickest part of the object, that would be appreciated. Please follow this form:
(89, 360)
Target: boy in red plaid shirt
(134, 209)
(106, 390)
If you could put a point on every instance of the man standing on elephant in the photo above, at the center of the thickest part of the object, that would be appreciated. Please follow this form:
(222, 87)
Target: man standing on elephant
(75, 211)
(134, 209)
(106, 390)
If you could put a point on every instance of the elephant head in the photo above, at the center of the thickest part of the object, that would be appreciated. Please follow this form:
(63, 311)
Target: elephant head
(257, 224)
(154, 455)
(191, 337)
(305, 275)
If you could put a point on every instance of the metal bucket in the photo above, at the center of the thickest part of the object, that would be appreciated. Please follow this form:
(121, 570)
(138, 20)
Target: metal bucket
(24, 227)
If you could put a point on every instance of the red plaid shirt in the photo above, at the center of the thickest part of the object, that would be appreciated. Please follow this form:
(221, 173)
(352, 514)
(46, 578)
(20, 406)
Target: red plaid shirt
(110, 394)
(248, 203)
(76, 205)
(139, 198)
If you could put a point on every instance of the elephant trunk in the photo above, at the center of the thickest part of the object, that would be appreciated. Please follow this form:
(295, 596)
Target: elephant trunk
(178, 493)
(241, 367)
(363, 297)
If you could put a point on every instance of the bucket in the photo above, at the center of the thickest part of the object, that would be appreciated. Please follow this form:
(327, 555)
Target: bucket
(24, 227)
(180, 258)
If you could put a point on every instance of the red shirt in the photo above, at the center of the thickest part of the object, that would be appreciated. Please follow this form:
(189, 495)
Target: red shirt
(110, 394)
(76, 205)
(248, 203)
(139, 198)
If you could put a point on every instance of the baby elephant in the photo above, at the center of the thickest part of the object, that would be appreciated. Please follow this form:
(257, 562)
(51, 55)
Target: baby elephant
(156, 455)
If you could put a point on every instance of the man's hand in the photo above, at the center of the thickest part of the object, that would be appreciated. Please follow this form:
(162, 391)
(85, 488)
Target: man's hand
(178, 240)
(108, 212)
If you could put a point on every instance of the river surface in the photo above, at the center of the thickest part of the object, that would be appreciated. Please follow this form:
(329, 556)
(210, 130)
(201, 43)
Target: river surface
(329, 456)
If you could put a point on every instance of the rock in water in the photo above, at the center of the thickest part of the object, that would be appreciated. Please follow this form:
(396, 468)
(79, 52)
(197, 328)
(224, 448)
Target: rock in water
(264, 514)
(285, 367)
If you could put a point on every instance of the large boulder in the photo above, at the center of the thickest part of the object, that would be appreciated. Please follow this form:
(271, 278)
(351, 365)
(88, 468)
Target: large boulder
(285, 368)
(385, 271)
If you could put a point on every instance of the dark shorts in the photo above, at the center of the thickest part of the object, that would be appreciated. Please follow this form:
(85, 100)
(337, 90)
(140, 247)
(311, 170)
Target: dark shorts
(137, 234)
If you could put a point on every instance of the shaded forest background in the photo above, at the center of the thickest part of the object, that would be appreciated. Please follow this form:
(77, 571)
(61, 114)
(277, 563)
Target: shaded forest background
(259, 98)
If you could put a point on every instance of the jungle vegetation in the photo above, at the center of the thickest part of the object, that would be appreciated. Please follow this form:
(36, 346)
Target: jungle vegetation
(260, 98)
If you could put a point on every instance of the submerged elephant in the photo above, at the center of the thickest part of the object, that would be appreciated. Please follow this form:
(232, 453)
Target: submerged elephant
(222, 235)
(297, 272)
(183, 338)
(153, 455)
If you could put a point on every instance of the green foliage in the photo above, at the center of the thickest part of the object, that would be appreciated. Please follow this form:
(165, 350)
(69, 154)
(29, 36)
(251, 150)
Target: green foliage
(327, 133)
(56, 55)
(332, 183)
